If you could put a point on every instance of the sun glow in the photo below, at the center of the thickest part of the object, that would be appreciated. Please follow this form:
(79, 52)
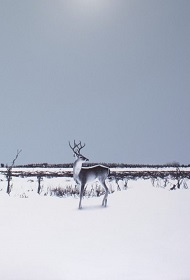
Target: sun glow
(92, 4)
(91, 7)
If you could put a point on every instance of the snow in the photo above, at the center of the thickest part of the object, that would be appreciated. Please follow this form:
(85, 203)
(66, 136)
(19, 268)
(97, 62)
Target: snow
(142, 234)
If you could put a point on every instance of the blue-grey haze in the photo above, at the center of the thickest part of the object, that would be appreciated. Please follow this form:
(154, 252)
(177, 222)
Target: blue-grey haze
(115, 75)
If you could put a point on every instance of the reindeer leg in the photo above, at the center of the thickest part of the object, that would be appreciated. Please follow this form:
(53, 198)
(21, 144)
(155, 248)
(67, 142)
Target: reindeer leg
(81, 195)
(104, 202)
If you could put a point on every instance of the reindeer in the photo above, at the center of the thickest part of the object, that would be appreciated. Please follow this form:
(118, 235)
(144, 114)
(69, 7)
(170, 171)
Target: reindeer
(85, 175)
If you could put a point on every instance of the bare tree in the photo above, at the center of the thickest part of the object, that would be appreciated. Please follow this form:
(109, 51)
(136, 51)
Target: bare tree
(9, 172)
(40, 178)
(179, 177)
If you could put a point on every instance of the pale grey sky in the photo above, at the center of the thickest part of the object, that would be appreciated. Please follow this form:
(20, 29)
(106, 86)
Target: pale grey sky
(113, 74)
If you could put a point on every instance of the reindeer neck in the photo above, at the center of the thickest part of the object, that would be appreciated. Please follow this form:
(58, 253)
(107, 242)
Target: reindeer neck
(77, 168)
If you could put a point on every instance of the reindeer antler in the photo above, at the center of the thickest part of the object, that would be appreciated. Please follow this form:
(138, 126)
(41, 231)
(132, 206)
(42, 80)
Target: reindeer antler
(76, 148)
(80, 147)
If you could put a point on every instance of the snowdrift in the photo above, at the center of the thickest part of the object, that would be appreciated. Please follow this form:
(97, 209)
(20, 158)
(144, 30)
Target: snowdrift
(142, 234)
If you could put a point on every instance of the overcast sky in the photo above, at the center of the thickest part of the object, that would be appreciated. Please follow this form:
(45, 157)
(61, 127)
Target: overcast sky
(114, 74)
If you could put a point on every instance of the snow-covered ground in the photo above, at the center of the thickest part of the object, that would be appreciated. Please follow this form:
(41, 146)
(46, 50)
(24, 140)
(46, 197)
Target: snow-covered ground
(142, 234)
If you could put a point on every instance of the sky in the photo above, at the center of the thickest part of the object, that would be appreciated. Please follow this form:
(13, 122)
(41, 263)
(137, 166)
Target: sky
(112, 74)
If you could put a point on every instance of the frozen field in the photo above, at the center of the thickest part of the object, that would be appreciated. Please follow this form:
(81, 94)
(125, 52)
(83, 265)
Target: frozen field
(142, 234)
